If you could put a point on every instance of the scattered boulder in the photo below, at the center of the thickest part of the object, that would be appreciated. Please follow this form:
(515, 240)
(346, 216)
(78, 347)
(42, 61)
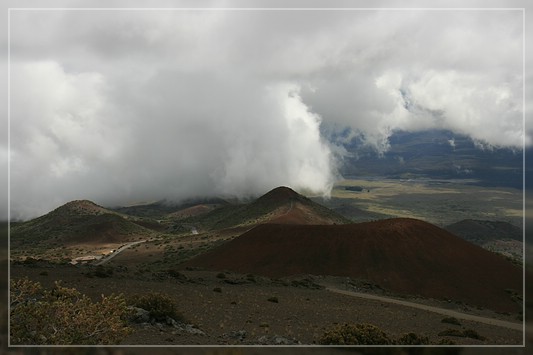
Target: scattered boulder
(189, 328)
(178, 275)
(237, 281)
(238, 335)
(142, 316)
(139, 315)
(306, 282)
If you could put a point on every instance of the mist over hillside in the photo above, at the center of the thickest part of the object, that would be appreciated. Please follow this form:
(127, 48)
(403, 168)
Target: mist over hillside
(429, 154)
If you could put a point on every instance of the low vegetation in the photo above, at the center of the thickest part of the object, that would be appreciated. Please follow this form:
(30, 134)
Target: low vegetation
(159, 305)
(355, 334)
(100, 271)
(466, 333)
(412, 339)
(64, 316)
(451, 320)
(368, 334)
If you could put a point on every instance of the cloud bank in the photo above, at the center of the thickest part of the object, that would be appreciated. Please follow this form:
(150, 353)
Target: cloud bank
(128, 106)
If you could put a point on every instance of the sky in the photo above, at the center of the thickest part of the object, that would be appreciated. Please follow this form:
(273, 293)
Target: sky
(122, 107)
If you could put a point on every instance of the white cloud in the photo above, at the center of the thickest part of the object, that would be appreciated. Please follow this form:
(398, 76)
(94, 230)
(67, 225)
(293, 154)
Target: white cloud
(198, 134)
(458, 70)
(452, 143)
(461, 102)
(117, 106)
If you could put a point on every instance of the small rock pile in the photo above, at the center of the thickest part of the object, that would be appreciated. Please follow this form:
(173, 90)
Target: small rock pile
(142, 317)
(240, 336)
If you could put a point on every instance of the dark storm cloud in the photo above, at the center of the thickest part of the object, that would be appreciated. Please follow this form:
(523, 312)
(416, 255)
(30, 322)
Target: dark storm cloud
(125, 106)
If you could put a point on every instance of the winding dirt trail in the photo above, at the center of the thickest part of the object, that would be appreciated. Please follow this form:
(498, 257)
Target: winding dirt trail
(108, 257)
(446, 312)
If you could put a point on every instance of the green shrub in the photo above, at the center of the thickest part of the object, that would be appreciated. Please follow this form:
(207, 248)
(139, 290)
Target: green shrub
(177, 275)
(355, 334)
(451, 333)
(100, 271)
(412, 339)
(159, 305)
(470, 333)
(467, 333)
(30, 261)
(64, 316)
(451, 320)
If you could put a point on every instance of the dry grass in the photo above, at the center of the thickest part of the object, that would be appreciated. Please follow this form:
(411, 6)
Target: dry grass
(438, 202)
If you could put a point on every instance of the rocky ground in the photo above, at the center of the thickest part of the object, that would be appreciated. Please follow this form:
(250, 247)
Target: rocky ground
(223, 308)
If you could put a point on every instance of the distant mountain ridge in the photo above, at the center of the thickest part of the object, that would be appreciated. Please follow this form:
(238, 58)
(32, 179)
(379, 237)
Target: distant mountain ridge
(439, 154)
(164, 207)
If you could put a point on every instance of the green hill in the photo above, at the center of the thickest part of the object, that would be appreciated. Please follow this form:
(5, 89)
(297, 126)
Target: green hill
(77, 222)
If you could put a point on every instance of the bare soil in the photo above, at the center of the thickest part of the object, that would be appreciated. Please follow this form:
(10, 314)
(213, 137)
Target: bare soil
(244, 313)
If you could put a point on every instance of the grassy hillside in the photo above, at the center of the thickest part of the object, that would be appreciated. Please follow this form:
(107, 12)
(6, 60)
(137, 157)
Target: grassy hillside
(75, 223)
(162, 208)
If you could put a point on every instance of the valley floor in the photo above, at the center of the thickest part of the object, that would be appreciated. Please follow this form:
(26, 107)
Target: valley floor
(233, 309)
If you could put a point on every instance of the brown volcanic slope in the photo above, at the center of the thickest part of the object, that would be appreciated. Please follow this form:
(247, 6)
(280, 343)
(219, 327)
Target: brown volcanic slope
(280, 205)
(403, 255)
(77, 222)
(289, 207)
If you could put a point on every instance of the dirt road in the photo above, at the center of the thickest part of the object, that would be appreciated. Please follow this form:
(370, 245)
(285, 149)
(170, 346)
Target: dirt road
(446, 312)
(108, 257)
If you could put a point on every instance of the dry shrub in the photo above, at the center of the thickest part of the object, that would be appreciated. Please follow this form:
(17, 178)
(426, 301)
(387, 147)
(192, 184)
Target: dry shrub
(159, 305)
(368, 334)
(355, 334)
(467, 333)
(412, 339)
(64, 316)
(470, 333)
(451, 320)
